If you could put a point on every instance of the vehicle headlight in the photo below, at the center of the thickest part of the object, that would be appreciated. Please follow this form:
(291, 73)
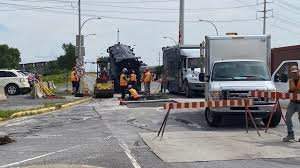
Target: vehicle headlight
(216, 95)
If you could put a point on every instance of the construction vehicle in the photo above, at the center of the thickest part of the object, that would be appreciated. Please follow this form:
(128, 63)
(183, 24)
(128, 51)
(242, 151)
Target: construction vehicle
(185, 69)
(235, 65)
(122, 56)
(104, 86)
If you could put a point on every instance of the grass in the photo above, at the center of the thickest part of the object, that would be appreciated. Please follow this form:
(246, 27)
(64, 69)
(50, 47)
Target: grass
(5, 114)
(58, 79)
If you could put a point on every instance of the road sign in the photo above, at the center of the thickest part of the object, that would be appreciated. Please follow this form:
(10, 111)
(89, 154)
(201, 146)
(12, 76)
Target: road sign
(77, 51)
(80, 72)
(77, 40)
(79, 62)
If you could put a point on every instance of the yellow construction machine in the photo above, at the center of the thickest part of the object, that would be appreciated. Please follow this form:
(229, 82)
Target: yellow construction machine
(104, 86)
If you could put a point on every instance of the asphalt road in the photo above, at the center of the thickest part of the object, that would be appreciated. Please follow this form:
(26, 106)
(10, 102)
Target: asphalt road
(104, 134)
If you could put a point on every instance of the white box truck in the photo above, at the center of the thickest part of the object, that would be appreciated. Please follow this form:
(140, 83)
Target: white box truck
(236, 65)
(185, 73)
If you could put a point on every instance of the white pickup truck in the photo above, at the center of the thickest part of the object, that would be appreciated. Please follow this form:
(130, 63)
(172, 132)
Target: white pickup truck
(236, 65)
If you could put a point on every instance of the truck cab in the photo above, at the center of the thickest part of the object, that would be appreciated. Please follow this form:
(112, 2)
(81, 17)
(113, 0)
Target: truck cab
(236, 65)
(185, 69)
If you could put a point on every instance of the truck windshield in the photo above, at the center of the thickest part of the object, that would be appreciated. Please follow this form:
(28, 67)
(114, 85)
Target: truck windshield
(193, 62)
(240, 71)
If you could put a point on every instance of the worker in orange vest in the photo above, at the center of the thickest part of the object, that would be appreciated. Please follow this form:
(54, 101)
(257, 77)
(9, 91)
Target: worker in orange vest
(123, 83)
(147, 80)
(133, 79)
(294, 105)
(133, 94)
(74, 80)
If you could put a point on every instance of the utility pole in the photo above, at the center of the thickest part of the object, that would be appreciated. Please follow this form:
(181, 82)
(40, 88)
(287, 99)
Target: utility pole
(265, 16)
(181, 23)
(159, 58)
(79, 27)
(118, 36)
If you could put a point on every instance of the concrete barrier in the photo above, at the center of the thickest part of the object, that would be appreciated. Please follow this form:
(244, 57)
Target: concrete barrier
(2, 94)
(51, 85)
(36, 92)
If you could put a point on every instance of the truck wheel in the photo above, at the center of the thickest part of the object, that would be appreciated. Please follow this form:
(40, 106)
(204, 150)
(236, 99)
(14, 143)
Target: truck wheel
(188, 91)
(212, 119)
(275, 119)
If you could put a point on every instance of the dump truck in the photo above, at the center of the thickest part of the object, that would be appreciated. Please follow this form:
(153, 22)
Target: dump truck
(185, 69)
(122, 56)
(236, 65)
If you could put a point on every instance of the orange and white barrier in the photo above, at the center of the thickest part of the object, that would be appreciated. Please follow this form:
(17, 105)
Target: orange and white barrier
(204, 104)
(275, 95)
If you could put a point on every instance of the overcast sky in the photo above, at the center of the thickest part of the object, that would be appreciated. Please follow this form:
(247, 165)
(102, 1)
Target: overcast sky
(39, 27)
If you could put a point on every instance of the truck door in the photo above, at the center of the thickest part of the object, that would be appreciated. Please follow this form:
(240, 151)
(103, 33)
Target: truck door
(282, 74)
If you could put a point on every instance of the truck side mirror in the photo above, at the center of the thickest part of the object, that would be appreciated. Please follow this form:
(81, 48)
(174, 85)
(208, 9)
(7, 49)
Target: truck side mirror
(201, 77)
(284, 78)
(276, 78)
(206, 78)
(192, 68)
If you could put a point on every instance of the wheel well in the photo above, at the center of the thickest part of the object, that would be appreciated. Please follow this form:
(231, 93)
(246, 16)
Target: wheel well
(12, 84)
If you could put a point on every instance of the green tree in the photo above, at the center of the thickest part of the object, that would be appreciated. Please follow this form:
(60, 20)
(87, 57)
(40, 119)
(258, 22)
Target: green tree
(68, 60)
(9, 57)
(52, 67)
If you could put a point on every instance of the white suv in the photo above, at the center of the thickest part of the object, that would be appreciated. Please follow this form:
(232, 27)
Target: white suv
(14, 82)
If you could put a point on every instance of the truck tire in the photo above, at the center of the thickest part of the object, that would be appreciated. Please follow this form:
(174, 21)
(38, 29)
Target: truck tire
(188, 91)
(275, 119)
(211, 118)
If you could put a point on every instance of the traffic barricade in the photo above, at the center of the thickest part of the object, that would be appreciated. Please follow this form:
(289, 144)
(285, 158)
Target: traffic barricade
(2, 94)
(275, 96)
(204, 104)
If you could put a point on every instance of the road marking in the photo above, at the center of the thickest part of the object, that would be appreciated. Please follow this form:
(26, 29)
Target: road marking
(128, 153)
(38, 157)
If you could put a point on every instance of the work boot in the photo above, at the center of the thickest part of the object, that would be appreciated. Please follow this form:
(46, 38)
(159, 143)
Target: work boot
(289, 137)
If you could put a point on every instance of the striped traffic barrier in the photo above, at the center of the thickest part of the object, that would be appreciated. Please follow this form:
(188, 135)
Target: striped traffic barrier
(205, 104)
(275, 96)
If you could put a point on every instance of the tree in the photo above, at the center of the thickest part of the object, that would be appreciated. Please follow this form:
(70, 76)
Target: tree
(52, 67)
(68, 60)
(9, 57)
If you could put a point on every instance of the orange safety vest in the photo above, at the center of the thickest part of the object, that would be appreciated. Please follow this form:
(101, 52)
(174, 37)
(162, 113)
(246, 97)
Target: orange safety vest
(147, 77)
(133, 77)
(74, 76)
(297, 87)
(123, 82)
(134, 93)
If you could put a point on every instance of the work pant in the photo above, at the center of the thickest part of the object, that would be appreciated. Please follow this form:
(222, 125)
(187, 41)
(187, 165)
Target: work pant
(133, 84)
(123, 91)
(147, 87)
(77, 86)
(74, 86)
(291, 110)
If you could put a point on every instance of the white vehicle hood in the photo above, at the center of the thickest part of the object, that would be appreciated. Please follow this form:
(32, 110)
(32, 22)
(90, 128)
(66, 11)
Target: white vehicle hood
(242, 85)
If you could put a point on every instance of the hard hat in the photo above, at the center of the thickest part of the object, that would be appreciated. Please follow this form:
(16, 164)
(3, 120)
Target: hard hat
(129, 86)
(124, 70)
(133, 71)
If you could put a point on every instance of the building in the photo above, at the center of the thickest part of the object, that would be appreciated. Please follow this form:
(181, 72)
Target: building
(278, 55)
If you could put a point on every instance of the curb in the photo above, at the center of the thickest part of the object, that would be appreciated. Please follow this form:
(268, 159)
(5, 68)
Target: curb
(48, 109)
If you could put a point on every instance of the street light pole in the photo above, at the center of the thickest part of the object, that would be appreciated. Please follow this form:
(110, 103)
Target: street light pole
(167, 37)
(211, 24)
(89, 35)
